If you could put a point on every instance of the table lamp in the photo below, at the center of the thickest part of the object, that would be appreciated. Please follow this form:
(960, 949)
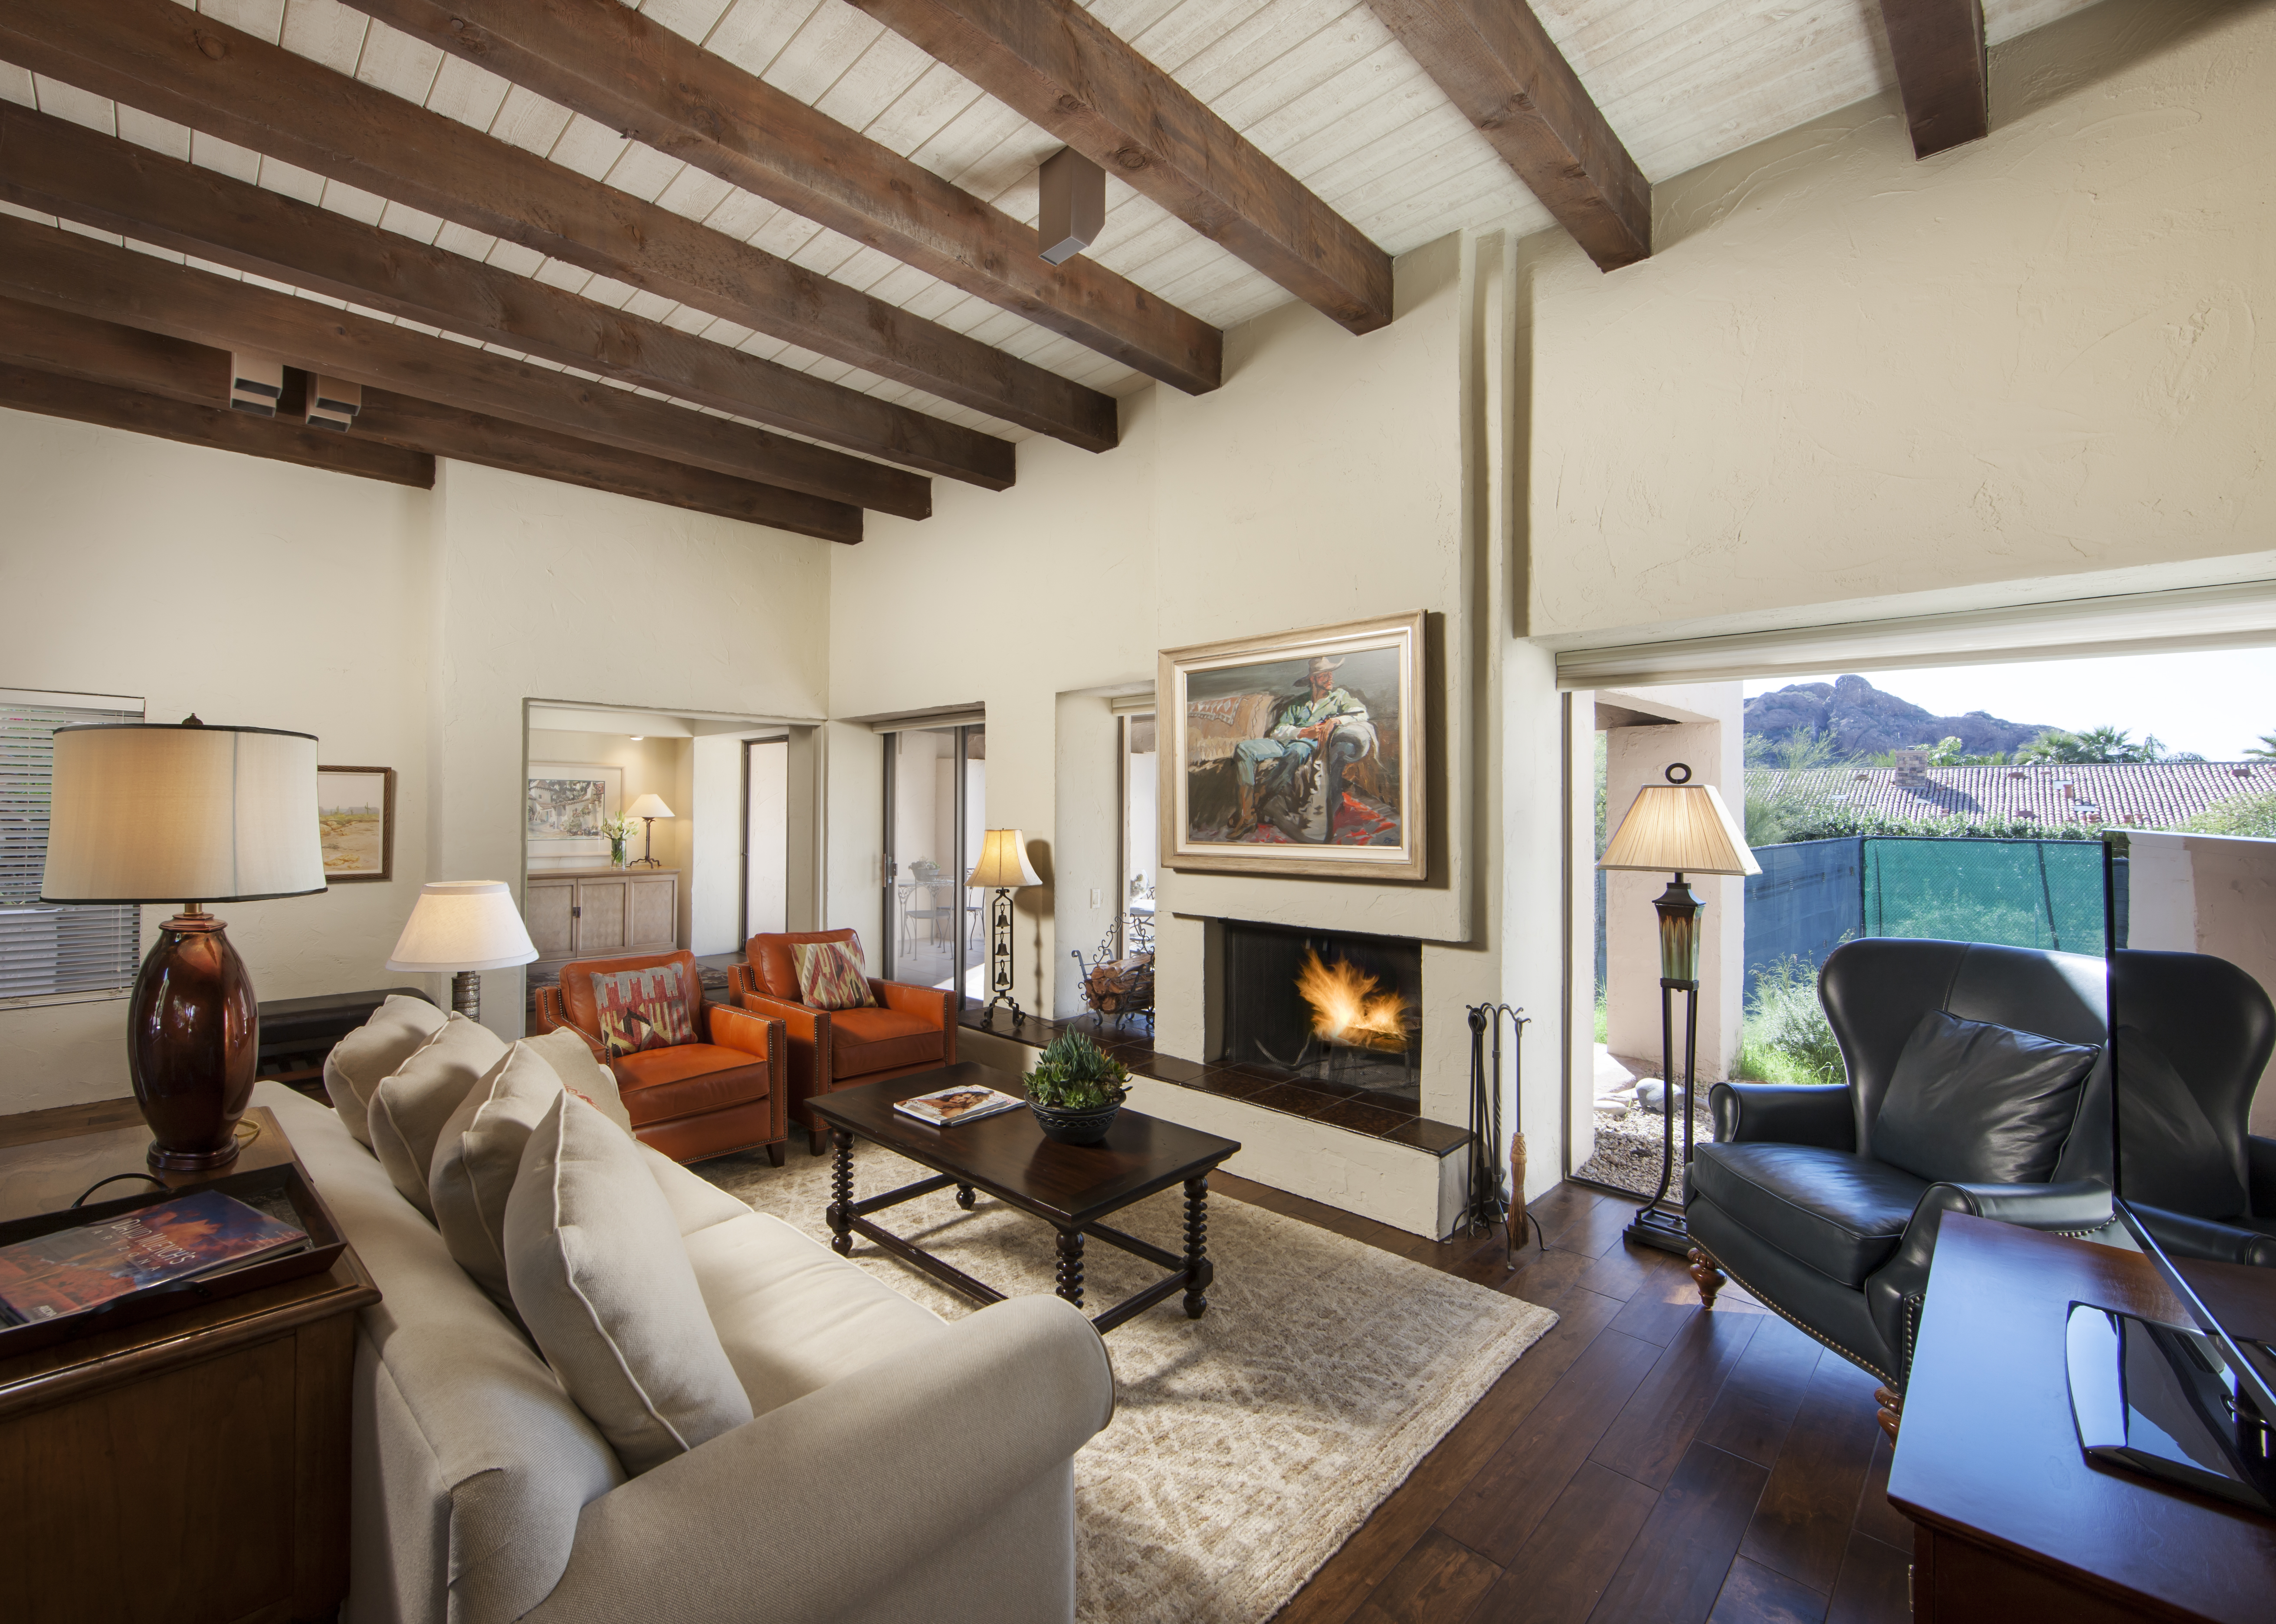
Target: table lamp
(1681, 827)
(464, 927)
(1003, 869)
(648, 808)
(155, 812)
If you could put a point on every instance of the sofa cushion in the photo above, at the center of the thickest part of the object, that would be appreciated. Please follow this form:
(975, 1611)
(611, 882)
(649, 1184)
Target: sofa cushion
(397, 1030)
(663, 1083)
(597, 1269)
(478, 1156)
(1971, 1103)
(409, 1108)
(465, 1443)
(642, 1009)
(1842, 1214)
(581, 1072)
(791, 1315)
(695, 1201)
(830, 976)
(862, 1041)
(774, 968)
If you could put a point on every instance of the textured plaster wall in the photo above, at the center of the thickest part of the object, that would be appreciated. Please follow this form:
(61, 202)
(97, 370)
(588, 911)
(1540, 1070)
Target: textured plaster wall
(1846, 374)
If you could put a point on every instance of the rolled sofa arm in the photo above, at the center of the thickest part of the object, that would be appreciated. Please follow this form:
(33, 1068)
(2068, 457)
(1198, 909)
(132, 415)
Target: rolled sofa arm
(1893, 1292)
(1783, 1113)
(809, 1509)
(2207, 1238)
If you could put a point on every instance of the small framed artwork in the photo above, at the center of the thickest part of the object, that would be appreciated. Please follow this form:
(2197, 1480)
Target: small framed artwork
(1299, 753)
(355, 813)
(568, 803)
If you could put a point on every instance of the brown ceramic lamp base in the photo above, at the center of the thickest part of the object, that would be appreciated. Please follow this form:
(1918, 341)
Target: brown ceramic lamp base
(192, 1034)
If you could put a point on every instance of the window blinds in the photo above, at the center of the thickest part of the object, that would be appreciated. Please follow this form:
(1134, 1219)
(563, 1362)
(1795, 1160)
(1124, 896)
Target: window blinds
(45, 951)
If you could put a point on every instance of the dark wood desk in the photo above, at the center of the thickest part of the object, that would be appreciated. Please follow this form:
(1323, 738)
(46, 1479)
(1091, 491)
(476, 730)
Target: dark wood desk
(190, 1469)
(1071, 1188)
(2011, 1521)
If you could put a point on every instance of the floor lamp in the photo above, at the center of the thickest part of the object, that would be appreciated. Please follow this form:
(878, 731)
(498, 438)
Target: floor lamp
(1677, 828)
(462, 928)
(152, 812)
(1003, 869)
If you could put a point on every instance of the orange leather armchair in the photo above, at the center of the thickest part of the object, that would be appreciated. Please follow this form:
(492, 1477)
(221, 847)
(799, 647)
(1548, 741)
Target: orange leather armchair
(693, 1100)
(911, 1030)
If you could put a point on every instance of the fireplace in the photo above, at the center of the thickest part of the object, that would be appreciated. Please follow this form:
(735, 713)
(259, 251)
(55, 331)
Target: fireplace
(1323, 1005)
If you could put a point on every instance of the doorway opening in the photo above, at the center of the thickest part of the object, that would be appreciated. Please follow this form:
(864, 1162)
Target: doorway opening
(936, 816)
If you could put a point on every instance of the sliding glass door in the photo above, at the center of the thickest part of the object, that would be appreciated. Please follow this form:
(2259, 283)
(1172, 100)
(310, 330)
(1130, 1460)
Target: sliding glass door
(935, 811)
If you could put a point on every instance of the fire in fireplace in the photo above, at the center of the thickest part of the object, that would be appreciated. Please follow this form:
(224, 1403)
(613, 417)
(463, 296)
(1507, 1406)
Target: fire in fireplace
(1328, 1005)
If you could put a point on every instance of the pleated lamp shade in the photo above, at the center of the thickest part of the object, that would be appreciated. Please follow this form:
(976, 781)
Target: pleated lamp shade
(1003, 864)
(1681, 829)
(463, 925)
(154, 812)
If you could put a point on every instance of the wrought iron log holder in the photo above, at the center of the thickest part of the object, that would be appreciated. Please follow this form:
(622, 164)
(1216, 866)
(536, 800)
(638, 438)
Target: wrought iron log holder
(1496, 1203)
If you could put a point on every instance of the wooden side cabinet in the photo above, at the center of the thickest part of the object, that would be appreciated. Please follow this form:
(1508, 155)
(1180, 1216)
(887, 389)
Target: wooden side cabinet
(596, 912)
(191, 1470)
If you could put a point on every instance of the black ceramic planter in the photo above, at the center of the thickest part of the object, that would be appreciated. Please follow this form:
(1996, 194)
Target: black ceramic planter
(1074, 1128)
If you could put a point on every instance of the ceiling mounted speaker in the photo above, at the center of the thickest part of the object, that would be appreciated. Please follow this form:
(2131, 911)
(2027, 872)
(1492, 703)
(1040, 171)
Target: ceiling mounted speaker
(255, 381)
(333, 403)
(1071, 210)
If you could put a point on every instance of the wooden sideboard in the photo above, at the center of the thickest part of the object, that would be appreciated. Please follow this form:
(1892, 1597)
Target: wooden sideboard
(601, 913)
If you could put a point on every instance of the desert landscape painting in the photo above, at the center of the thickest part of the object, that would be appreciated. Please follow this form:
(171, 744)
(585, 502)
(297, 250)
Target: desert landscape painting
(355, 810)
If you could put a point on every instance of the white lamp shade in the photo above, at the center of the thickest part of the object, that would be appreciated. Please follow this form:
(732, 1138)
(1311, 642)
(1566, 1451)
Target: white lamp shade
(158, 812)
(1681, 828)
(649, 806)
(1003, 864)
(463, 925)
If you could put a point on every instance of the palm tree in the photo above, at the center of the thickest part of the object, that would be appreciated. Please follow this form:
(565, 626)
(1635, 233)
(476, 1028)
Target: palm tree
(2104, 744)
(2265, 749)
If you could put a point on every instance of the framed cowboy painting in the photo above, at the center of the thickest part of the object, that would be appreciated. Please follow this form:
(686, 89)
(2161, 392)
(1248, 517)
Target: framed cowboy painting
(1297, 754)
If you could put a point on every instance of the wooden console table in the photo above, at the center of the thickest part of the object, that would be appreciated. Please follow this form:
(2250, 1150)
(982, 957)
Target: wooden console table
(191, 1470)
(601, 913)
(2011, 1522)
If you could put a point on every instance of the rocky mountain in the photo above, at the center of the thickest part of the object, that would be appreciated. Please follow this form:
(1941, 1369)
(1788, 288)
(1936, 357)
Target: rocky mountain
(1864, 720)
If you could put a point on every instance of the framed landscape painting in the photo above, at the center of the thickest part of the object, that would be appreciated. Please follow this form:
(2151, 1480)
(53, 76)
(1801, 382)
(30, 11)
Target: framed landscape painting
(568, 803)
(1298, 754)
(355, 818)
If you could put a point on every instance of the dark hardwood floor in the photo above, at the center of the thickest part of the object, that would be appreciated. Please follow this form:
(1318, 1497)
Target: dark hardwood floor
(1645, 1460)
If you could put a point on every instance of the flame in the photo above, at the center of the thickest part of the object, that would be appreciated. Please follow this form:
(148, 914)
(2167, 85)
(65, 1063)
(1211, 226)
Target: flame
(1346, 1009)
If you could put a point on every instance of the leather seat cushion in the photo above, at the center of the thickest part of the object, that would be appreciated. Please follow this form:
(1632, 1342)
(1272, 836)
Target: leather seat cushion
(862, 1041)
(661, 1083)
(1839, 1213)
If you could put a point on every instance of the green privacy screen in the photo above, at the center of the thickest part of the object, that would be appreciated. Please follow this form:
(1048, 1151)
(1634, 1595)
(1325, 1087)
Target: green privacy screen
(2018, 893)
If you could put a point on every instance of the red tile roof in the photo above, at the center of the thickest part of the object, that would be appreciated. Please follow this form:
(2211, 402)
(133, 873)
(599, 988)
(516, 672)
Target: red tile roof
(2133, 795)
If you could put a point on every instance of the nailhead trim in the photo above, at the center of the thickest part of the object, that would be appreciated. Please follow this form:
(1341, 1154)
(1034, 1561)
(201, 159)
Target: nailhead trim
(1815, 1336)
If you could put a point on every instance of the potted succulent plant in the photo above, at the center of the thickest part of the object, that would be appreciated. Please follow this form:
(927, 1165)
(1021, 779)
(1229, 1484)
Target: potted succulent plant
(1076, 1089)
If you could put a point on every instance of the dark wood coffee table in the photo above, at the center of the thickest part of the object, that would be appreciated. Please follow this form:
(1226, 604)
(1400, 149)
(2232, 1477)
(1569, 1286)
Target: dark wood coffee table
(1071, 1188)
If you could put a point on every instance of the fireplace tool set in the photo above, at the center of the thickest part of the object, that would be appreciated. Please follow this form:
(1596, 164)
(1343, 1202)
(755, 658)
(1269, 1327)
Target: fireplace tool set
(1492, 1204)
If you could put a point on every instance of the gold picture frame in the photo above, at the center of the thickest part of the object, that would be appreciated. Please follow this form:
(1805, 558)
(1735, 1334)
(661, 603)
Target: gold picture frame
(1300, 754)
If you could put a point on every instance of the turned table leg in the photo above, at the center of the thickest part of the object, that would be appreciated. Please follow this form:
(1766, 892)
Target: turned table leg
(1892, 1411)
(1709, 1277)
(1199, 1271)
(964, 1196)
(1070, 1285)
(841, 1194)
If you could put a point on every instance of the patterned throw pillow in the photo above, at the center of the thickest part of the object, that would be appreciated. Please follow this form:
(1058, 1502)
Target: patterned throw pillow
(642, 1009)
(830, 976)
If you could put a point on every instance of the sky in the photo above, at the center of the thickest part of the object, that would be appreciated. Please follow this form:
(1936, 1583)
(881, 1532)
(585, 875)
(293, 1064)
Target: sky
(2217, 703)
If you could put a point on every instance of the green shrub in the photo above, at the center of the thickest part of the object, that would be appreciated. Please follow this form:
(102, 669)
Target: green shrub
(1786, 1038)
(1075, 1075)
(2239, 815)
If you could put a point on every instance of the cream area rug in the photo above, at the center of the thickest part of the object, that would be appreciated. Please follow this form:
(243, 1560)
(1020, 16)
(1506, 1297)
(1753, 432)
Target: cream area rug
(1247, 1445)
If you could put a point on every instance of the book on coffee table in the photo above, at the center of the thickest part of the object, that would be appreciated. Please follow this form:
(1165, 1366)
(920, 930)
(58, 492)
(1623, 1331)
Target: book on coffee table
(71, 1270)
(945, 1107)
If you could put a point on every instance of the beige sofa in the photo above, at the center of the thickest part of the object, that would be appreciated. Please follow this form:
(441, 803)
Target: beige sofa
(897, 1466)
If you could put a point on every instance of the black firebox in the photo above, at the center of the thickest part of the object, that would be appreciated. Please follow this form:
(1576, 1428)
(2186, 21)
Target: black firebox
(1328, 1005)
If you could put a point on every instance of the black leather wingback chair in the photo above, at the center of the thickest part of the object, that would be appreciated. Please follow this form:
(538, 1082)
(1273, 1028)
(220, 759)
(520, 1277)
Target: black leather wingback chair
(2194, 1035)
(1790, 1202)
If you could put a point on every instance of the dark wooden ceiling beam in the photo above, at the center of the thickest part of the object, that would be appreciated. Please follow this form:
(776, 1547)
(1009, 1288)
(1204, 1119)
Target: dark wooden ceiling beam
(1059, 66)
(53, 395)
(1938, 49)
(58, 167)
(1499, 66)
(67, 272)
(615, 65)
(160, 58)
(84, 347)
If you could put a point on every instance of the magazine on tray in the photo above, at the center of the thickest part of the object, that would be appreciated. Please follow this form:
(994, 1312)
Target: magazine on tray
(945, 1107)
(72, 1270)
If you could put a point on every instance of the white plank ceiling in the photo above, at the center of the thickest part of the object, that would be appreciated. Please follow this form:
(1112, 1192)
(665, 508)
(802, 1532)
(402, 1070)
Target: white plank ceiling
(1319, 86)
